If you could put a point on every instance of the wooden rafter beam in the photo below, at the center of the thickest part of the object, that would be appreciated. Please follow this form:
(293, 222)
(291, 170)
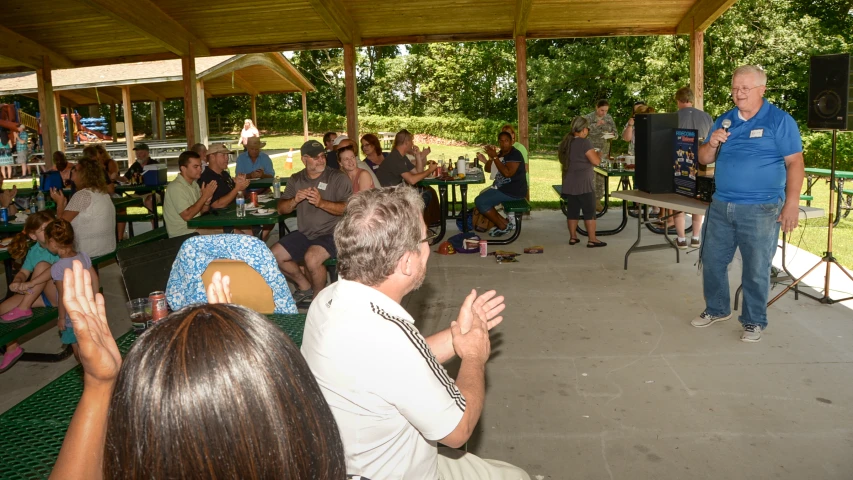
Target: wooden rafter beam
(702, 14)
(273, 61)
(148, 92)
(147, 19)
(336, 17)
(522, 15)
(27, 52)
(243, 84)
(104, 96)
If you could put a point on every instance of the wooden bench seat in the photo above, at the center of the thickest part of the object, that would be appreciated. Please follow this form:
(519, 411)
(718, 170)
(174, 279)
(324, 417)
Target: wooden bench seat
(42, 316)
(517, 208)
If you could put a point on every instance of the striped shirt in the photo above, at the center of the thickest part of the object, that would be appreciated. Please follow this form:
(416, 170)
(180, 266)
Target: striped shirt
(391, 398)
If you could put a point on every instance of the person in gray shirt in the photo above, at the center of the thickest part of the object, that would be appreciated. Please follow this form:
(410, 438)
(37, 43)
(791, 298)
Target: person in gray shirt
(319, 195)
(694, 119)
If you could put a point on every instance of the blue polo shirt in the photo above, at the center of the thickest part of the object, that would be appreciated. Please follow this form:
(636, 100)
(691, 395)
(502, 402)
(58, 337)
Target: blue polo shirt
(245, 165)
(751, 166)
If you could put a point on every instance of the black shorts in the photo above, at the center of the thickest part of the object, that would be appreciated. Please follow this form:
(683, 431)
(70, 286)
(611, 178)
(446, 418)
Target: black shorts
(576, 203)
(296, 244)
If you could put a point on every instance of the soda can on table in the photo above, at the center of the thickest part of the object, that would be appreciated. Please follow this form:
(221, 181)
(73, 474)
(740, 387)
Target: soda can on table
(484, 248)
(4, 215)
(159, 308)
(254, 197)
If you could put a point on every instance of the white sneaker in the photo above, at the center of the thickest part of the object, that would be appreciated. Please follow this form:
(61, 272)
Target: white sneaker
(705, 319)
(751, 333)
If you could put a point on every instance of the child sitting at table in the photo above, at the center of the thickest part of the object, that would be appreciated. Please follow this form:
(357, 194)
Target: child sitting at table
(39, 291)
(60, 241)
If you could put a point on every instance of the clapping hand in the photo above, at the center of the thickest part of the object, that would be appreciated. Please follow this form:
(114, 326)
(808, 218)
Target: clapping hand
(484, 308)
(482, 157)
(219, 290)
(256, 174)
(301, 195)
(208, 189)
(8, 196)
(491, 151)
(241, 182)
(314, 197)
(57, 196)
(96, 347)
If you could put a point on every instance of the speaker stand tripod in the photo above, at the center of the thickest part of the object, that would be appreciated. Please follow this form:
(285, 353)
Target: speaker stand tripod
(828, 258)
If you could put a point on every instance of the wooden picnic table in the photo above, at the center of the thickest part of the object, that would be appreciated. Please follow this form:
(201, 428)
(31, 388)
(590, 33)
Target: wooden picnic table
(227, 217)
(814, 174)
(35, 428)
(470, 179)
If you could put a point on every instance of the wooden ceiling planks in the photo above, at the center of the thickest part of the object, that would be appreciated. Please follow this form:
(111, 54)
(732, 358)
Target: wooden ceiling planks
(90, 36)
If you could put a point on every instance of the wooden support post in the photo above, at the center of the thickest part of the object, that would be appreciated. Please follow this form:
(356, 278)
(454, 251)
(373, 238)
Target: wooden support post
(521, 85)
(305, 117)
(255, 110)
(70, 125)
(47, 112)
(161, 120)
(190, 97)
(128, 123)
(521, 82)
(351, 94)
(155, 130)
(697, 67)
(113, 132)
(201, 135)
(60, 125)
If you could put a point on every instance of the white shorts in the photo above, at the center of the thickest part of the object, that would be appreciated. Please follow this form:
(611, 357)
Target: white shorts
(456, 464)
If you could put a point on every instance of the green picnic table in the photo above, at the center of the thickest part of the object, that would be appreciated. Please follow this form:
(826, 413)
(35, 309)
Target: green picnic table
(143, 189)
(470, 179)
(227, 217)
(814, 174)
(263, 183)
(33, 429)
(119, 203)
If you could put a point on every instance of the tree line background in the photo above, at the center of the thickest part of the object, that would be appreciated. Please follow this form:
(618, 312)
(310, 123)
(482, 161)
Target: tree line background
(465, 91)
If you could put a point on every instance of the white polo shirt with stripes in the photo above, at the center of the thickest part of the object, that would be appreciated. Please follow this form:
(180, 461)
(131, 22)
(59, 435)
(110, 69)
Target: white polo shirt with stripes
(391, 398)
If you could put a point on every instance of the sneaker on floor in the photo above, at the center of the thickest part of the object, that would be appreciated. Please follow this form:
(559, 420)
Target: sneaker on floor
(682, 244)
(751, 333)
(695, 242)
(10, 358)
(705, 319)
(300, 296)
(16, 314)
(510, 222)
(497, 232)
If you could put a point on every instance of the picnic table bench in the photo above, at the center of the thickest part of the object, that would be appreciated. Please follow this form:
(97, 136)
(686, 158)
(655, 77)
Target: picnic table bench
(516, 208)
(35, 428)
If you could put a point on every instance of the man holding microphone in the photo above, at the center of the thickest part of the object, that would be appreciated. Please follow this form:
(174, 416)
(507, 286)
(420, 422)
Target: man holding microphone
(759, 175)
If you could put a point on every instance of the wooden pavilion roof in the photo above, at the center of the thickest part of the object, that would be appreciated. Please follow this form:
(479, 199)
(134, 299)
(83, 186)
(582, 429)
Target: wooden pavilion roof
(158, 80)
(81, 33)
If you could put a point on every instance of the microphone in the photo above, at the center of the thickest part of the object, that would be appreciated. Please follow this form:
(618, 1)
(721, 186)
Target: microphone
(726, 124)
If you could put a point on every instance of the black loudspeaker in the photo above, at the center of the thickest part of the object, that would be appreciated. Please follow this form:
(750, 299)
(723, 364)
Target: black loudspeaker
(654, 142)
(830, 93)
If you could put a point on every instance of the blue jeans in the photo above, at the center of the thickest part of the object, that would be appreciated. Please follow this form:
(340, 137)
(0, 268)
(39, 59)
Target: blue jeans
(754, 230)
(490, 198)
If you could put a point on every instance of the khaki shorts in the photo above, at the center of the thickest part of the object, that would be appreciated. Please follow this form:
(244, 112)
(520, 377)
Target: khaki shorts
(21, 158)
(456, 464)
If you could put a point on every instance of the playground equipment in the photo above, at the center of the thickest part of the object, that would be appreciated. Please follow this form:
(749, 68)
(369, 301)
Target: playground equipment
(11, 116)
(90, 129)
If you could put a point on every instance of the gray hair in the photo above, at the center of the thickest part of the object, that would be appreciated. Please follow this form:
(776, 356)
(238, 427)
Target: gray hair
(378, 227)
(760, 75)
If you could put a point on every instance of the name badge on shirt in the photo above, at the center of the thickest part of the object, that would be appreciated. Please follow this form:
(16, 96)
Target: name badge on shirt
(757, 133)
(321, 186)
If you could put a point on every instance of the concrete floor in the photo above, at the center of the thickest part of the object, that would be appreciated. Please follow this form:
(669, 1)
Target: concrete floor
(597, 374)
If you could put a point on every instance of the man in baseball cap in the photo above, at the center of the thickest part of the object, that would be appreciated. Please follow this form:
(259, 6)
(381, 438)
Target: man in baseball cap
(318, 194)
(253, 162)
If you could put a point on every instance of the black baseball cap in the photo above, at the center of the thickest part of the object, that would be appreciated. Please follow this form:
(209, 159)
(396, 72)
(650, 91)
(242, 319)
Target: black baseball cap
(312, 148)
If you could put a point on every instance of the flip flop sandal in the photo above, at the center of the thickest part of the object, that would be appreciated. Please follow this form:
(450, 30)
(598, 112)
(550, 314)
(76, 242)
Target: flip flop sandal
(595, 244)
(574, 241)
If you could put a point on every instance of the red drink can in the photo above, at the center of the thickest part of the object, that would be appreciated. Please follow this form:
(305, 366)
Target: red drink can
(254, 197)
(159, 308)
(438, 171)
(484, 248)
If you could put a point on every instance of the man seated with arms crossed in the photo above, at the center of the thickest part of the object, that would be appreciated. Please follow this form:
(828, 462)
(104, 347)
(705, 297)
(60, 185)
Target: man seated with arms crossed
(397, 168)
(390, 395)
(253, 163)
(185, 199)
(319, 195)
(226, 187)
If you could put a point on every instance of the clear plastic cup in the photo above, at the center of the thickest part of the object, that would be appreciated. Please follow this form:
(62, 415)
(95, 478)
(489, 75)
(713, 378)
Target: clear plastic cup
(139, 310)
